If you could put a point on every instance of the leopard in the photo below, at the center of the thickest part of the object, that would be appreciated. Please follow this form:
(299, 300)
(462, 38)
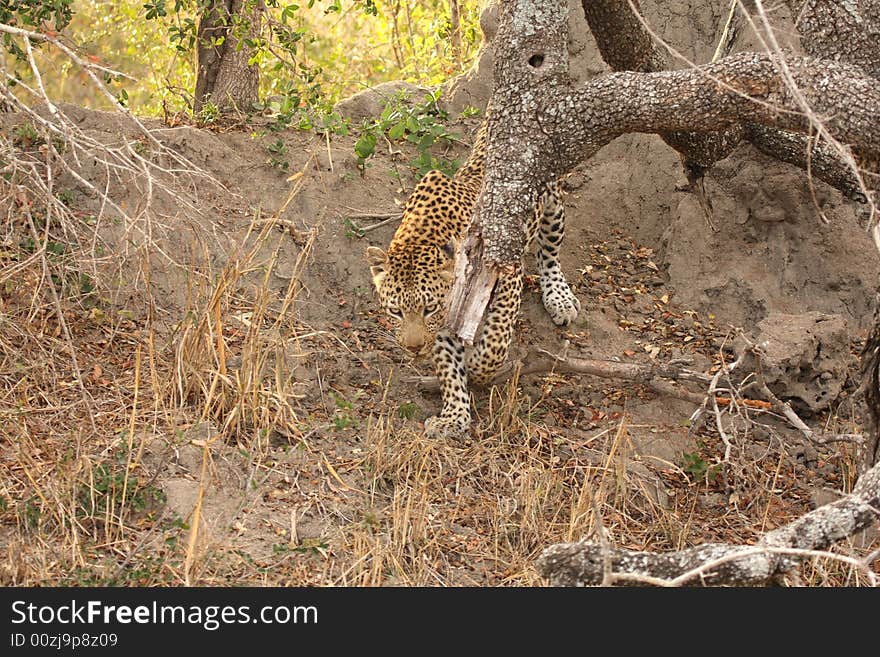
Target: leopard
(413, 277)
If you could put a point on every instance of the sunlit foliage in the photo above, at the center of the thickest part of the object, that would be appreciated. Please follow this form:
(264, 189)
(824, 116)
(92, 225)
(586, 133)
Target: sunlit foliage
(314, 51)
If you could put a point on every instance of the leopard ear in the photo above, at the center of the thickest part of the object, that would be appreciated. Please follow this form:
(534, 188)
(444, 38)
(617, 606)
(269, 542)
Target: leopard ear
(378, 260)
(449, 248)
(376, 256)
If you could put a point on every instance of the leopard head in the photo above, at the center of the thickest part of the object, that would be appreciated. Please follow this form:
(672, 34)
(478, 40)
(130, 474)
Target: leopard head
(412, 284)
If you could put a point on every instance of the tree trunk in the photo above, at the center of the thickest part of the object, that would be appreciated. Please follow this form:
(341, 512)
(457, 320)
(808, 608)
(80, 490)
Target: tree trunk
(223, 75)
(541, 128)
(455, 27)
(531, 66)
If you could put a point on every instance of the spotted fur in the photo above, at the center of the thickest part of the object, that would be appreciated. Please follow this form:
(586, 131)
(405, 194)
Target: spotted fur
(413, 279)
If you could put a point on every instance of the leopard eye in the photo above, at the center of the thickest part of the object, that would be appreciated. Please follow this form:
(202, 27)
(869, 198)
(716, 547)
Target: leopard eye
(430, 309)
(394, 311)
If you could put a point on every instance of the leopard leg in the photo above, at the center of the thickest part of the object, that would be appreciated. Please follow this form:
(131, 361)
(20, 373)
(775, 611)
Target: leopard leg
(449, 363)
(491, 350)
(559, 301)
(454, 368)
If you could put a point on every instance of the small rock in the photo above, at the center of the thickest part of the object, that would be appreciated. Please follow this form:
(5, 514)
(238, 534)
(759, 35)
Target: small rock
(370, 102)
(822, 496)
(712, 500)
(573, 182)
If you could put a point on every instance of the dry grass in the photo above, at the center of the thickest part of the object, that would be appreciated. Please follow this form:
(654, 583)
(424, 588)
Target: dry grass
(83, 467)
(84, 504)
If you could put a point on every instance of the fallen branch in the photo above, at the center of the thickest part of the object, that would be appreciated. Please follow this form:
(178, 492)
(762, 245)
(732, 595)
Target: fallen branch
(362, 230)
(354, 213)
(655, 377)
(778, 552)
(541, 361)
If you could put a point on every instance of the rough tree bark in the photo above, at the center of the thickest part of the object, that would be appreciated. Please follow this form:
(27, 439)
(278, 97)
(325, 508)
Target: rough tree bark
(540, 127)
(223, 75)
(841, 31)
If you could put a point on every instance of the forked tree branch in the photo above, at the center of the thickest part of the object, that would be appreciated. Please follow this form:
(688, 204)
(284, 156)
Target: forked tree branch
(540, 127)
(627, 43)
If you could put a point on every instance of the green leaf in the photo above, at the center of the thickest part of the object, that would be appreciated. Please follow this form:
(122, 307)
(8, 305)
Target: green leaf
(387, 113)
(365, 145)
(288, 12)
(397, 130)
(55, 248)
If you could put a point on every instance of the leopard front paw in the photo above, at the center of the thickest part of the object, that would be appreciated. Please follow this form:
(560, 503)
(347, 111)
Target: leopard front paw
(442, 427)
(561, 304)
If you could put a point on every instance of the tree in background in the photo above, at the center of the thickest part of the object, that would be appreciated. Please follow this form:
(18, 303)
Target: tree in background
(310, 54)
(226, 74)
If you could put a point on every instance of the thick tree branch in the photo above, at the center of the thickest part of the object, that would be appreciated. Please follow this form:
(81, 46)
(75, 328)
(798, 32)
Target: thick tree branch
(584, 563)
(622, 40)
(810, 155)
(626, 45)
(742, 88)
(225, 75)
(572, 126)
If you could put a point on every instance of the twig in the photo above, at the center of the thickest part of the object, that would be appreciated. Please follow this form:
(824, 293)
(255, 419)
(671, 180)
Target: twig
(728, 34)
(710, 394)
(725, 369)
(371, 216)
(362, 230)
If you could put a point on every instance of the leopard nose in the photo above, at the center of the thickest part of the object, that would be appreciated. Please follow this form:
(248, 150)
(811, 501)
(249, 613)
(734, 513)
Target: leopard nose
(412, 340)
(412, 343)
